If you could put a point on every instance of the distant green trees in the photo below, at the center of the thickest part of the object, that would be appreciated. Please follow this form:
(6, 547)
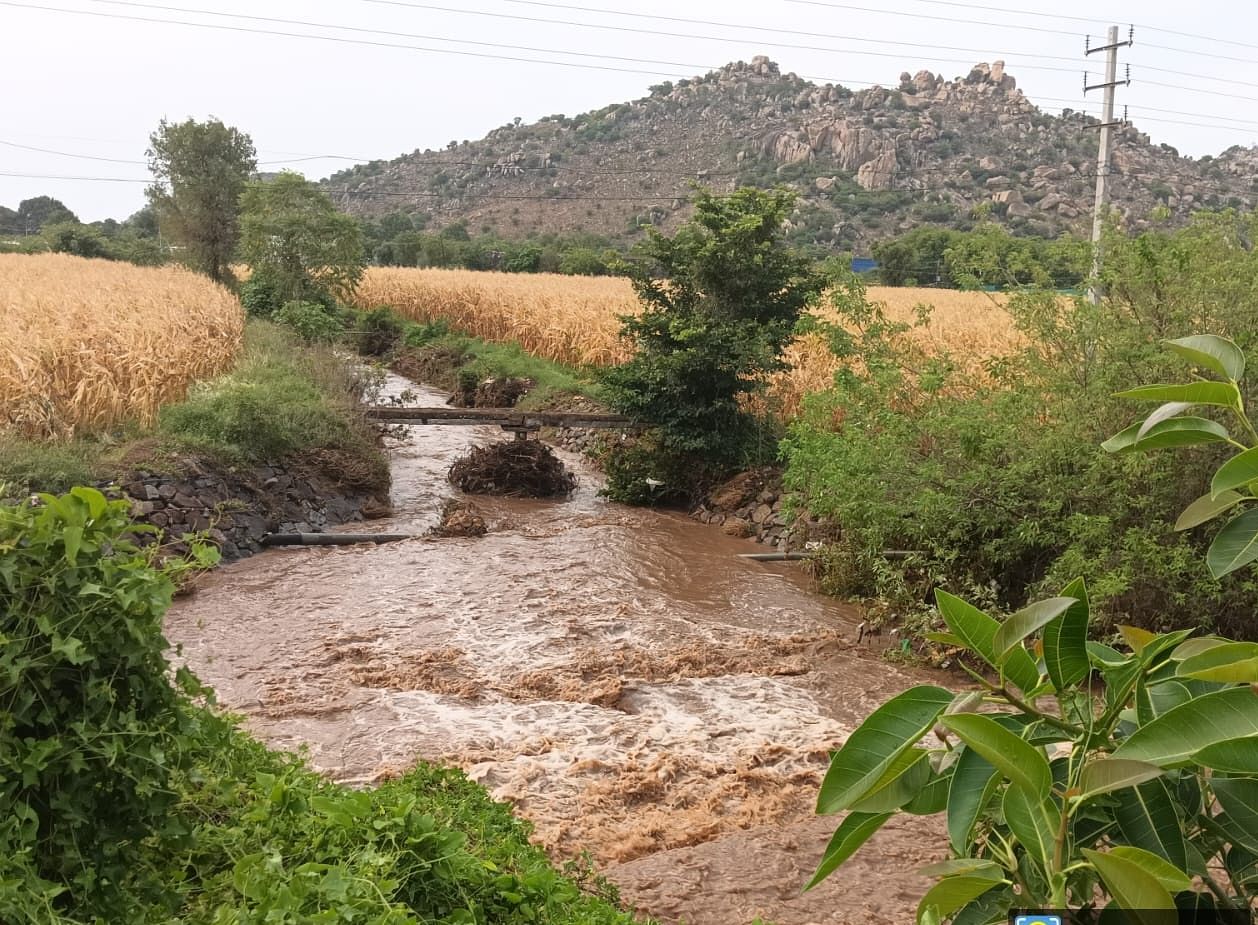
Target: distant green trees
(403, 240)
(987, 256)
(292, 235)
(200, 171)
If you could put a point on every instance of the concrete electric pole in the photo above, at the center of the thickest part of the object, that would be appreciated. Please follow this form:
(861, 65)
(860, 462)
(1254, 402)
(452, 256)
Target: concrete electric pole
(1105, 146)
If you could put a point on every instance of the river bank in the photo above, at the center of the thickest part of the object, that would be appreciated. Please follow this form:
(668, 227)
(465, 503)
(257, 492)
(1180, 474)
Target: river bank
(620, 676)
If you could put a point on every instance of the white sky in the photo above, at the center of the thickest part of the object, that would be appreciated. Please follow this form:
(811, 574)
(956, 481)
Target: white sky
(97, 86)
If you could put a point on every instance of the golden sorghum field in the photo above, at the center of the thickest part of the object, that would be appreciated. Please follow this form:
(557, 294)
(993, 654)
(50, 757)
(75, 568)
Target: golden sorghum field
(91, 343)
(574, 319)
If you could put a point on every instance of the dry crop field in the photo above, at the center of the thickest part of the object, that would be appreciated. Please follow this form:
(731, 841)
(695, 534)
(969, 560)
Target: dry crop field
(574, 319)
(92, 343)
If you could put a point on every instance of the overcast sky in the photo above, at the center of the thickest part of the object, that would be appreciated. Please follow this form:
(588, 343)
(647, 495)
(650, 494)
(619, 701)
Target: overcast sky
(98, 84)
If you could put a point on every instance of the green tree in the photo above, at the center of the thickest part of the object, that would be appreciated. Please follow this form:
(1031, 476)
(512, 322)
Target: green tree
(720, 302)
(34, 214)
(77, 239)
(200, 171)
(292, 235)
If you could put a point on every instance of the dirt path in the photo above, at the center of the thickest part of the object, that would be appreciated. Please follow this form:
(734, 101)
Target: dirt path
(631, 686)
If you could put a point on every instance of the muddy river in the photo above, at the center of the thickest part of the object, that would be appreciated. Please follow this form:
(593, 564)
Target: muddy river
(620, 676)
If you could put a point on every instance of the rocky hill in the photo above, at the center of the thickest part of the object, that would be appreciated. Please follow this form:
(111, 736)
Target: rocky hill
(867, 164)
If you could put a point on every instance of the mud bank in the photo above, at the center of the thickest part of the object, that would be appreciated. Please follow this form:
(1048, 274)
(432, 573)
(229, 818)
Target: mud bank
(620, 676)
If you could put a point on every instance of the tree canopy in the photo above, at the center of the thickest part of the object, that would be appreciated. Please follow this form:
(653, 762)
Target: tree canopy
(200, 170)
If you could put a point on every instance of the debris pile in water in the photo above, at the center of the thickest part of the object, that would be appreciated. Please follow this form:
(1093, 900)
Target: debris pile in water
(516, 468)
(460, 518)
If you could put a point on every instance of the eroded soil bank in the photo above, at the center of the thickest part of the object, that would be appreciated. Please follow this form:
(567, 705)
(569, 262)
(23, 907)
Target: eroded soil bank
(634, 688)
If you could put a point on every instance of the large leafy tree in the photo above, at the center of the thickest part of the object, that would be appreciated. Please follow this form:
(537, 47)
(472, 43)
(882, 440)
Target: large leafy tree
(200, 170)
(720, 302)
(34, 214)
(292, 235)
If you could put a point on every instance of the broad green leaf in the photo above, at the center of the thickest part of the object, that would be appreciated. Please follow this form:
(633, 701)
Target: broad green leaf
(951, 893)
(932, 799)
(1236, 473)
(1239, 798)
(1103, 656)
(1209, 351)
(1231, 756)
(970, 867)
(1221, 394)
(852, 832)
(1163, 413)
(1147, 818)
(974, 780)
(946, 639)
(1034, 821)
(1175, 737)
(1166, 697)
(1065, 640)
(1233, 662)
(1177, 432)
(1189, 648)
(1027, 621)
(1206, 508)
(1235, 545)
(992, 908)
(1242, 865)
(892, 729)
(978, 630)
(902, 781)
(1101, 775)
(1131, 886)
(1136, 637)
(1170, 876)
(1016, 759)
(72, 537)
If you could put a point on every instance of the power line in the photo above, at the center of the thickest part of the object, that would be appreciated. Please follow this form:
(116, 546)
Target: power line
(701, 22)
(438, 38)
(86, 157)
(331, 38)
(967, 22)
(1188, 51)
(1235, 96)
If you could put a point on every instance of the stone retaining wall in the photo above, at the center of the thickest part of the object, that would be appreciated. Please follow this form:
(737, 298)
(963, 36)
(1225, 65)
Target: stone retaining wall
(236, 509)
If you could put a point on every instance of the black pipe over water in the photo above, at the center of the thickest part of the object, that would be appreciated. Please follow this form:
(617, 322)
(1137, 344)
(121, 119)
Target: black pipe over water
(331, 539)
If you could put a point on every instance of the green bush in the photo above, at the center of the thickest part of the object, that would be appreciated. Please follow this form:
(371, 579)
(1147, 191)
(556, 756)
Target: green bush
(379, 331)
(421, 335)
(91, 730)
(314, 322)
(998, 489)
(260, 295)
(721, 299)
(281, 398)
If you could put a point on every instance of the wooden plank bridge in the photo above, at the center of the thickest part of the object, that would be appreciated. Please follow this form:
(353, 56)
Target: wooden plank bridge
(511, 419)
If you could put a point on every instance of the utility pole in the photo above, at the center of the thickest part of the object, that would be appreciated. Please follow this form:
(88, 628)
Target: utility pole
(1105, 146)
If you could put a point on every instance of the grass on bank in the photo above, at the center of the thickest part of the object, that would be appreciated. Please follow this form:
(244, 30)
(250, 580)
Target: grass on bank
(447, 359)
(282, 397)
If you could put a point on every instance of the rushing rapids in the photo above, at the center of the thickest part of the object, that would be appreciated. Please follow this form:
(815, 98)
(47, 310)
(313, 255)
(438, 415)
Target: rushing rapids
(631, 686)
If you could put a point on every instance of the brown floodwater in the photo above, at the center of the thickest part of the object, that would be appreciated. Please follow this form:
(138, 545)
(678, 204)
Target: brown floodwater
(625, 680)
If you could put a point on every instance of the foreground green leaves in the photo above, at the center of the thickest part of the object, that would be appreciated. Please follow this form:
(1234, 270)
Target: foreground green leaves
(1127, 787)
(889, 731)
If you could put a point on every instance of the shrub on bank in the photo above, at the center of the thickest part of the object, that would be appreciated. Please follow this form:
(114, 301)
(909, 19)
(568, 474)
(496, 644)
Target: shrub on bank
(998, 490)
